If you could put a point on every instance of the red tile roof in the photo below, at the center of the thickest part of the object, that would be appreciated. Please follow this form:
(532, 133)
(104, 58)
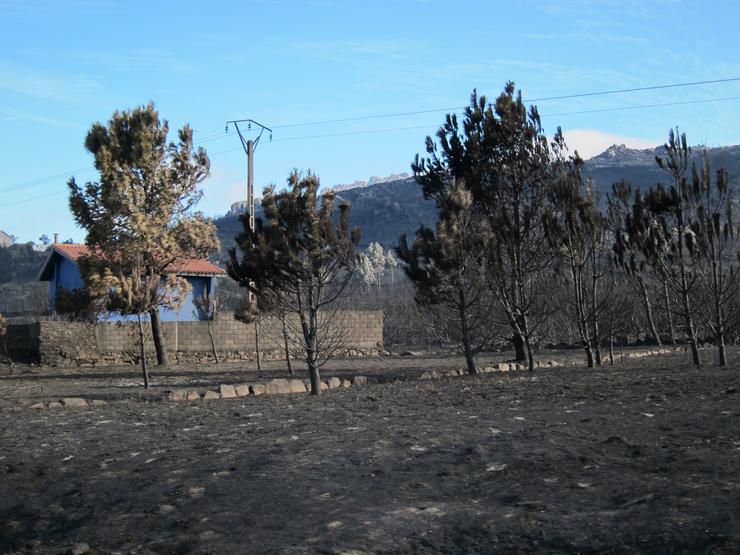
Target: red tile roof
(188, 266)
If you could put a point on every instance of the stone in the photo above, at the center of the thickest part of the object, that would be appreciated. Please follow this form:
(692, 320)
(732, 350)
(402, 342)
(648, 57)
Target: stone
(178, 395)
(258, 389)
(359, 380)
(412, 354)
(166, 509)
(323, 386)
(346, 382)
(211, 395)
(79, 549)
(241, 390)
(278, 386)
(98, 403)
(227, 391)
(385, 353)
(297, 386)
(504, 366)
(55, 405)
(192, 396)
(37, 406)
(75, 402)
(334, 383)
(429, 375)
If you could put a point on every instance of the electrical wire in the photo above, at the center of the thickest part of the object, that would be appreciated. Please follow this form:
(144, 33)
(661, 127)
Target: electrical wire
(222, 135)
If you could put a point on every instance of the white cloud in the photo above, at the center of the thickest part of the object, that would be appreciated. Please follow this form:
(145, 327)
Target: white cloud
(590, 142)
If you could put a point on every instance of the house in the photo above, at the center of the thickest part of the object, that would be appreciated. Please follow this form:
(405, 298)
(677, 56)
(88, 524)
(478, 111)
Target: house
(62, 272)
(5, 239)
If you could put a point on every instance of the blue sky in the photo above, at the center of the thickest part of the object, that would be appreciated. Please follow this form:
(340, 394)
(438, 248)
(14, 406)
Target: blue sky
(67, 63)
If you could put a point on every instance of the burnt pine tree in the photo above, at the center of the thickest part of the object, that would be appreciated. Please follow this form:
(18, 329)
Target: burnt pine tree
(503, 155)
(660, 230)
(301, 258)
(575, 230)
(618, 207)
(448, 270)
(716, 245)
(139, 215)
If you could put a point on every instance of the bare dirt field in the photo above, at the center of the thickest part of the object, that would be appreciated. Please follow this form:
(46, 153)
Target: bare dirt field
(640, 458)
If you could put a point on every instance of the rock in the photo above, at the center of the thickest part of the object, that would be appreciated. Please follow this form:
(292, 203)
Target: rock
(166, 509)
(211, 395)
(37, 406)
(323, 386)
(192, 396)
(79, 549)
(385, 353)
(334, 383)
(98, 403)
(75, 402)
(346, 382)
(227, 391)
(278, 386)
(429, 375)
(241, 390)
(297, 386)
(55, 405)
(258, 389)
(178, 395)
(412, 354)
(504, 366)
(359, 380)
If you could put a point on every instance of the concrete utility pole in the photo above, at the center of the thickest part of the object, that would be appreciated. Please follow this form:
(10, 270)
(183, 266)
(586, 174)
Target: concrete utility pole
(249, 145)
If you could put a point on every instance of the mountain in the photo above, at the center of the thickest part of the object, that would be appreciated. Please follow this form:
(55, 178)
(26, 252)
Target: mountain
(640, 169)
(384, 208)
(383, 211)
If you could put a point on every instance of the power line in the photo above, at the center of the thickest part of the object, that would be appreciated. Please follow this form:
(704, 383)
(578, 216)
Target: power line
(640, 106)
(32, 198)
(543, 99)
(636, 89)
(222, 135)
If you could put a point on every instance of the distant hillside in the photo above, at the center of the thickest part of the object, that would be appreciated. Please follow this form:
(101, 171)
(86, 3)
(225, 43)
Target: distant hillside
(639, 167)
(385, 209)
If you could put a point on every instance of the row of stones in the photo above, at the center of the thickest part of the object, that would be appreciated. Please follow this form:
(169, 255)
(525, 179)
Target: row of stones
(277, 386)
(70, 402)
(283, 386)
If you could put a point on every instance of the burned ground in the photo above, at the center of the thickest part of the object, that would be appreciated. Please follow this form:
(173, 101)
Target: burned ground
(641, 457)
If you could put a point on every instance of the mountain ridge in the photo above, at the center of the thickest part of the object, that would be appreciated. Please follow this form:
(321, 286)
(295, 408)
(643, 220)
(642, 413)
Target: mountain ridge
(385, 208)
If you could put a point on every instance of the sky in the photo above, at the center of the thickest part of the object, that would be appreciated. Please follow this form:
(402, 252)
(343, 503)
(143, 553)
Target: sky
(65, 64)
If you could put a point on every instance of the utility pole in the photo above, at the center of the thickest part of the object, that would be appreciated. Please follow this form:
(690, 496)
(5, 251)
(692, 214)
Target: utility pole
(249, 145)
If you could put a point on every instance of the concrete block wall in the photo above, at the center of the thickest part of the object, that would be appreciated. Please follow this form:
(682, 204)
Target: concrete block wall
(66, 343)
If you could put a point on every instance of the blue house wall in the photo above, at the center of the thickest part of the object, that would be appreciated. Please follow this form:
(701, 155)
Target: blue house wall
(66, 275)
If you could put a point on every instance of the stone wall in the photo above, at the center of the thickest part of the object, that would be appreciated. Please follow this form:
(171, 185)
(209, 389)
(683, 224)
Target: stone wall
(60, 343)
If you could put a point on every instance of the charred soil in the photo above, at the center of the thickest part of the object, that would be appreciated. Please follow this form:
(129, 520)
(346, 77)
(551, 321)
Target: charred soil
(640, 458)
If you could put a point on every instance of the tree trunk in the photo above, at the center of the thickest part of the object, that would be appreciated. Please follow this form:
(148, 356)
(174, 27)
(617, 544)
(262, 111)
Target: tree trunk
(160, 345)
(668, 312)
(142, 354)
(313, 373)
(695, 354)
(719, 316)
(313, 368)
(649, 312)
(520, 353)
(469, 358)
(287, 349)
(257, 345)
(213, 342)
(7, 357)
(589, 357)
